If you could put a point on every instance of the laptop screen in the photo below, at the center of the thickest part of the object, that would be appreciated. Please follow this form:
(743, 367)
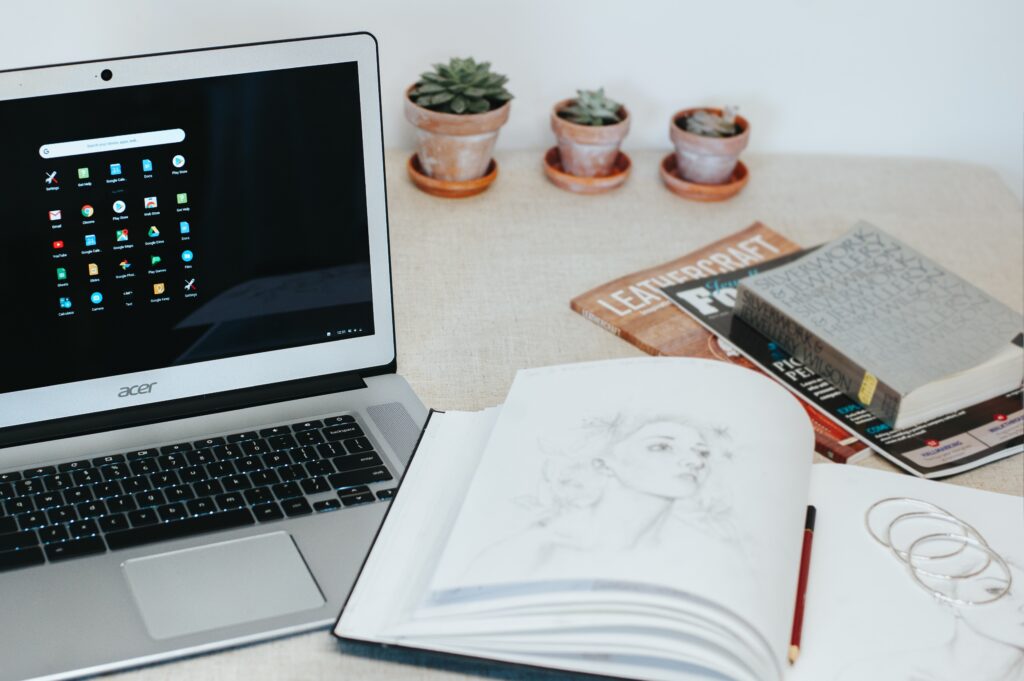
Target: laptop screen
(165, 224)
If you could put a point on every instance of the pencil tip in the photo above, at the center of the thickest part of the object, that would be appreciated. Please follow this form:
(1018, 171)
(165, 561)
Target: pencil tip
(794, 652)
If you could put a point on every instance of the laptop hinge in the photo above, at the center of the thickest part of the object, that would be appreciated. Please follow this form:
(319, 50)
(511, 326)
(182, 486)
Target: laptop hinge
(197, 405)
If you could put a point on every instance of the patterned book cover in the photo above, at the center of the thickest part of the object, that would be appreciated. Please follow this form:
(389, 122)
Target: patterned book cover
(633, 308)
(876, 319)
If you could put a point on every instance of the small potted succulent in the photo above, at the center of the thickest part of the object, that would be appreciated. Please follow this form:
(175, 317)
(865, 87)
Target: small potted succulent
(458, 109)
(589, 129)
(708, 143)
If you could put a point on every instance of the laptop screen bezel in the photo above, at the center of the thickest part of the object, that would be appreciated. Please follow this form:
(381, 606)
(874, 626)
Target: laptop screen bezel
(363, 355)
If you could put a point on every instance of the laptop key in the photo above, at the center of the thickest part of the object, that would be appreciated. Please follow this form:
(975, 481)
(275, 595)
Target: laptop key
(121, 504)
(343, 431)
(83, 528)
(75, 548)
(10, 477)
(335, 420)
(18, 540)
(179, 493)
(220, 469)
(268, 511)
(278, 442)
(355, 461)
(320, 468)
(248, 464)
(254, 447)
(296, 507)
(386, 493)
(201, 506)
(260, 495)
(315, 485)
(192, 474)
(304, 454)
(53, 533)
(170, 462)
(182, 528)
(286, 490)
(307, 425)
(144, 467)
(276, 430)
(309, 437)
(165, 479)
(77, 495)
(200, 457)
(291, 472)
(48, 500)
(100, 490)
(227, 452)
(86, 476)
(62, 514)
(326, 505)
(8, 525)
(115, 471)
(151, 498)
(12, 560)
(363, 476)
(207, 488)
(40, 471)
(25, 487)
(91, 509)
(260, 478)
(275, 459)
(171, 512)
(177, 448)
(113, 523)
(74, 466)
(209, 442)
(146, 516)
(242, 437)
(354, 499)
(142, 454)
(331, 449)
(135, 485)
(6, 490)
(19, 505)
(108, 459)
(235, 483)
(230, 501)
(31, 521)
(357, 445)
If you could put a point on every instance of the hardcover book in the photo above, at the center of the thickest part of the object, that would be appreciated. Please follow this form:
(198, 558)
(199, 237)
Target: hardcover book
(891, 329)
(949, 444)
(633, 308)
(644, 519)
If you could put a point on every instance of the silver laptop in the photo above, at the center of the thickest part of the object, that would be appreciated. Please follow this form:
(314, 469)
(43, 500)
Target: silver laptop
(200, 417)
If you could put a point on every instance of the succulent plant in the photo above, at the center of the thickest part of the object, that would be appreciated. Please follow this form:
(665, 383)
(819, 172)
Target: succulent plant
(710, 124)
(462, 86)
(591, 107)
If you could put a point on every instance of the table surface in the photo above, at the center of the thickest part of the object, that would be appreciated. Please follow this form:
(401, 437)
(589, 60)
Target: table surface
(482, 288)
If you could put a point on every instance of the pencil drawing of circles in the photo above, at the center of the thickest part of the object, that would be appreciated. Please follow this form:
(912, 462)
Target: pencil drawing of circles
(994, 593)
(919, 503)
(968, 531)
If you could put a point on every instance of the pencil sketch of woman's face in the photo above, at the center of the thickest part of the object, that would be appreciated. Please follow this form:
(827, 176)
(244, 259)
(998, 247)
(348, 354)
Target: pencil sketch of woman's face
(663, 458)
(1002, 620)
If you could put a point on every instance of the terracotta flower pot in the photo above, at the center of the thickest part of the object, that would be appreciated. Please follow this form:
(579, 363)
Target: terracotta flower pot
(706, 160)
(454, 147)
(588, 150)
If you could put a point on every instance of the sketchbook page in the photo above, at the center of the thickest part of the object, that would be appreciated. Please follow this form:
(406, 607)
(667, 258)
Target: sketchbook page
(395, 575)
(866, 618)
(676, 473)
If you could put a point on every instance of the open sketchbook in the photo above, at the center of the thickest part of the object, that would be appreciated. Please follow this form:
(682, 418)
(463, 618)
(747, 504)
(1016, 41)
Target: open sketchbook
(643, 519)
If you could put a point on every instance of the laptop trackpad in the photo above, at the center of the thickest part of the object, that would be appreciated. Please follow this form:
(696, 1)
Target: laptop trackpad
(233, 582)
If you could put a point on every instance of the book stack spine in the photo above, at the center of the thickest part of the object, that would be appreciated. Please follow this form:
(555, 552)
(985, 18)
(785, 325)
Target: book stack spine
(819, 356)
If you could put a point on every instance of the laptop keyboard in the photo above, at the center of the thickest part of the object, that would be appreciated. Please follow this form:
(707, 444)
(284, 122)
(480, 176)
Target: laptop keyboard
(80, 508)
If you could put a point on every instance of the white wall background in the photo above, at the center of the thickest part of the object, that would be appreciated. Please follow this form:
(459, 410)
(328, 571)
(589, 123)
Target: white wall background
(934, 78)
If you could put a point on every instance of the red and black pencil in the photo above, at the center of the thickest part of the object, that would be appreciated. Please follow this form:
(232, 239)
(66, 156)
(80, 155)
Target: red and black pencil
(801, 587)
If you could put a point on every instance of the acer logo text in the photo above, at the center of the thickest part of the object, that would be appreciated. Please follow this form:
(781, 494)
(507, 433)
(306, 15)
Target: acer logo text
(140, 389)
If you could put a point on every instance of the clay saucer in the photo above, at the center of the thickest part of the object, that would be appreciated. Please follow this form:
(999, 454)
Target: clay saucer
(585, 185)
(446, 189)
(702, 192)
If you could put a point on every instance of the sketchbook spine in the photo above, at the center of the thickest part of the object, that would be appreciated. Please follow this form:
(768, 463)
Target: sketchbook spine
(822, 358)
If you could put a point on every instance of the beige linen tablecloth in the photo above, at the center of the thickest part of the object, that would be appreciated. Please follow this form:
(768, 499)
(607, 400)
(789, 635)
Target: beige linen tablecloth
(482, 288)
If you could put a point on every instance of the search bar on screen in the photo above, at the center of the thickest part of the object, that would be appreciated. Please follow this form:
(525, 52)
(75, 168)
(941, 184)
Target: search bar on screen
(115, 143)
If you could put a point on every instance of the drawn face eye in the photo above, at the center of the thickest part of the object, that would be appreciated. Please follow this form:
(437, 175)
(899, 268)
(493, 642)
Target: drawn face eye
(702, 451)
(659, 447)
